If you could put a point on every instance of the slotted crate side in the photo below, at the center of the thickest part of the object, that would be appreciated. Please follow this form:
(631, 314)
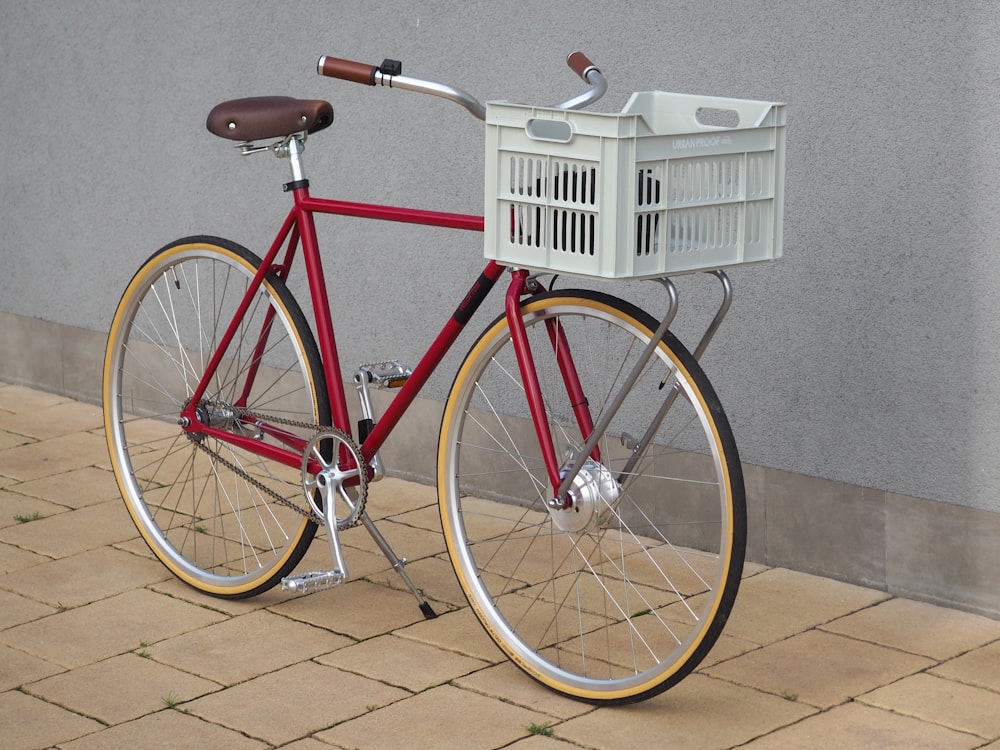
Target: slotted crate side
(548, 200)
(706, 211)
(552, 207)
(605, 195)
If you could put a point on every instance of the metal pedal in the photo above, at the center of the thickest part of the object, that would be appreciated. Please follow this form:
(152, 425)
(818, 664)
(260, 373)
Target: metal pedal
(382, 375)
(316, 580)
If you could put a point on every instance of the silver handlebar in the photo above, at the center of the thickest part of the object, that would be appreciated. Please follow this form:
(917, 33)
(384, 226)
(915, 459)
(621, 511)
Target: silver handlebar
(593, 76)
(450, 93)
(598, 88)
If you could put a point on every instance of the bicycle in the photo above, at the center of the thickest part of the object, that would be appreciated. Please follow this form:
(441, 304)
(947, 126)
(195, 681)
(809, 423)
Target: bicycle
(590, 489)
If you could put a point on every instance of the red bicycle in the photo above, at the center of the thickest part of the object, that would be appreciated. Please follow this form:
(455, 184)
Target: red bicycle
(589, 485)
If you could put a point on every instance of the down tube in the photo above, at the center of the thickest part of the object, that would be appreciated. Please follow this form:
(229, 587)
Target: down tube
(432, 358)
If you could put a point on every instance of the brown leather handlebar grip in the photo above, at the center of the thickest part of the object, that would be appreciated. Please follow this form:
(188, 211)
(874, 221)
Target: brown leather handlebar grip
(579, 62)
(347, 70)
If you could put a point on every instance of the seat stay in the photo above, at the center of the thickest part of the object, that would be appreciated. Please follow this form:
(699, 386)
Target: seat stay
(289, 232)
(234, 325)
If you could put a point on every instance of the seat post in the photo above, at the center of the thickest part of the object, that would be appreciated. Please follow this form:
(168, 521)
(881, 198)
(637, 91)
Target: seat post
(296, 146)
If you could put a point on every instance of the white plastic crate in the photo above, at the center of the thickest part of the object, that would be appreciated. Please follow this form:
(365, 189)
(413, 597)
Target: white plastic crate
(675, 183)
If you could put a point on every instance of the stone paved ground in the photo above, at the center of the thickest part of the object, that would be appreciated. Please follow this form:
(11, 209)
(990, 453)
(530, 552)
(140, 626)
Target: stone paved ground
(101, 648)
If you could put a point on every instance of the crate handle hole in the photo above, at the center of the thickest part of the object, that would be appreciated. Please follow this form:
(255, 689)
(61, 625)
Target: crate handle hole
(559, 131)
(717, 118)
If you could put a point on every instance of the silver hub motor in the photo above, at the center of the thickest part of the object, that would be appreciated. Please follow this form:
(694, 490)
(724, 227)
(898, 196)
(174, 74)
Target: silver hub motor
(593, 494)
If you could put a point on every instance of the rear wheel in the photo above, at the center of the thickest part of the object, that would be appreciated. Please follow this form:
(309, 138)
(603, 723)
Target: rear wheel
(218, 516)
(621, 596)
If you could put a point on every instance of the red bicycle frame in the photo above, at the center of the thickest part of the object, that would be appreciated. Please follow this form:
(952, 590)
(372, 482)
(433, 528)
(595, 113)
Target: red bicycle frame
(299, 228)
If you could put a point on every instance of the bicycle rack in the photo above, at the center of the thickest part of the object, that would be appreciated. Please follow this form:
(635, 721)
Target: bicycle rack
(639, 446)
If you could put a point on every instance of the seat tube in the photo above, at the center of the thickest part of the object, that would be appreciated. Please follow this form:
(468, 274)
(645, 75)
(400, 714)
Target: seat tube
(529, 376)
(299, 188)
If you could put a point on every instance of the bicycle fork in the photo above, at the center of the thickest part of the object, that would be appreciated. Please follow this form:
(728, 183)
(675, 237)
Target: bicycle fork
(563, 476)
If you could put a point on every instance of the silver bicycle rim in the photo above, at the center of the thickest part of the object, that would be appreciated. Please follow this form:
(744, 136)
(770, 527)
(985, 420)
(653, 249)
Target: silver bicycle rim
(209, 525)
(616, 609)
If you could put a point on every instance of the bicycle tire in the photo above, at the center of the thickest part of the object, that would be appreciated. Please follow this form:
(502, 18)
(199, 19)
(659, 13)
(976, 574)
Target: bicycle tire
(620, 604)
(214, 528)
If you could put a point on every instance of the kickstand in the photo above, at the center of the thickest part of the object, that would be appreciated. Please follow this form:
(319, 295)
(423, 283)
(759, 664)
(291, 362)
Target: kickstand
(398, 564)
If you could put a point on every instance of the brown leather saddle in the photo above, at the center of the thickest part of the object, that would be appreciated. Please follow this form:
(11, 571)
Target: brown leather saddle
(263, 117)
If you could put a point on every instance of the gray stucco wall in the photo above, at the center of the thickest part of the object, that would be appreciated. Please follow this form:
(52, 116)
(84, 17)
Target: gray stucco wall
(868, 355)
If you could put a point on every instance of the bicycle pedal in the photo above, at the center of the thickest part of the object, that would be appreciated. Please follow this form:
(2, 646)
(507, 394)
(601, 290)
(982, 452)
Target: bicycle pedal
(389, 374)
(308, 583)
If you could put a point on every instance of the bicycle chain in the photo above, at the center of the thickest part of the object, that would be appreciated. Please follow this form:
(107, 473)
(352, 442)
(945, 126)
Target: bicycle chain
(245, 414)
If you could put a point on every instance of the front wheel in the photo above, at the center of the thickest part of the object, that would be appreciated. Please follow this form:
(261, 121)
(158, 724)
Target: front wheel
(619, 597)
(225, 520)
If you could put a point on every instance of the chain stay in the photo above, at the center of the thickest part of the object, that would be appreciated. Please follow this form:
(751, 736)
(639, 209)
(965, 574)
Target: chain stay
(318, 429)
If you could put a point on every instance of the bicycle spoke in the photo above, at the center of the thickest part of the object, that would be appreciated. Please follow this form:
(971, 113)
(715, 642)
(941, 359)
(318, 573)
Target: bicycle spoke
(224, 519)
(622, 593)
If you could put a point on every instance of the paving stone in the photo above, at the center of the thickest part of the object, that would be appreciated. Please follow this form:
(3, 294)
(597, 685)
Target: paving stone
(443, 718)
(698, 713)
(17, 399)
(308, 743)
(408, 542)
(726, 648)
(428, 517)
(401, 662)
(57, 419)
(790, 633)
(74, 489)
(54, 456)
(361, 563)
(12, 439)
(294, 702)
(243, 647)
(30, 724)
(857, 726)
(16, 609)
(74, 531)
(457, 631)
(121, 688)
(167, 730)
(803, 600)
(108, 627)
(176, 588)
(820, 669)
(434, 576)
(136, 546)
(942, 633)
(358, 609)
(14, 558)
(937, 700)
(392, 497)
(14, 508)
(88, 576)
(540, 742)
(980, 667)
(510, 685)
(18, 668)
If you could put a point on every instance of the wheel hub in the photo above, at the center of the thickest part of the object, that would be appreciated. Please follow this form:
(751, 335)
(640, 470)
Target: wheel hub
(593, 492)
